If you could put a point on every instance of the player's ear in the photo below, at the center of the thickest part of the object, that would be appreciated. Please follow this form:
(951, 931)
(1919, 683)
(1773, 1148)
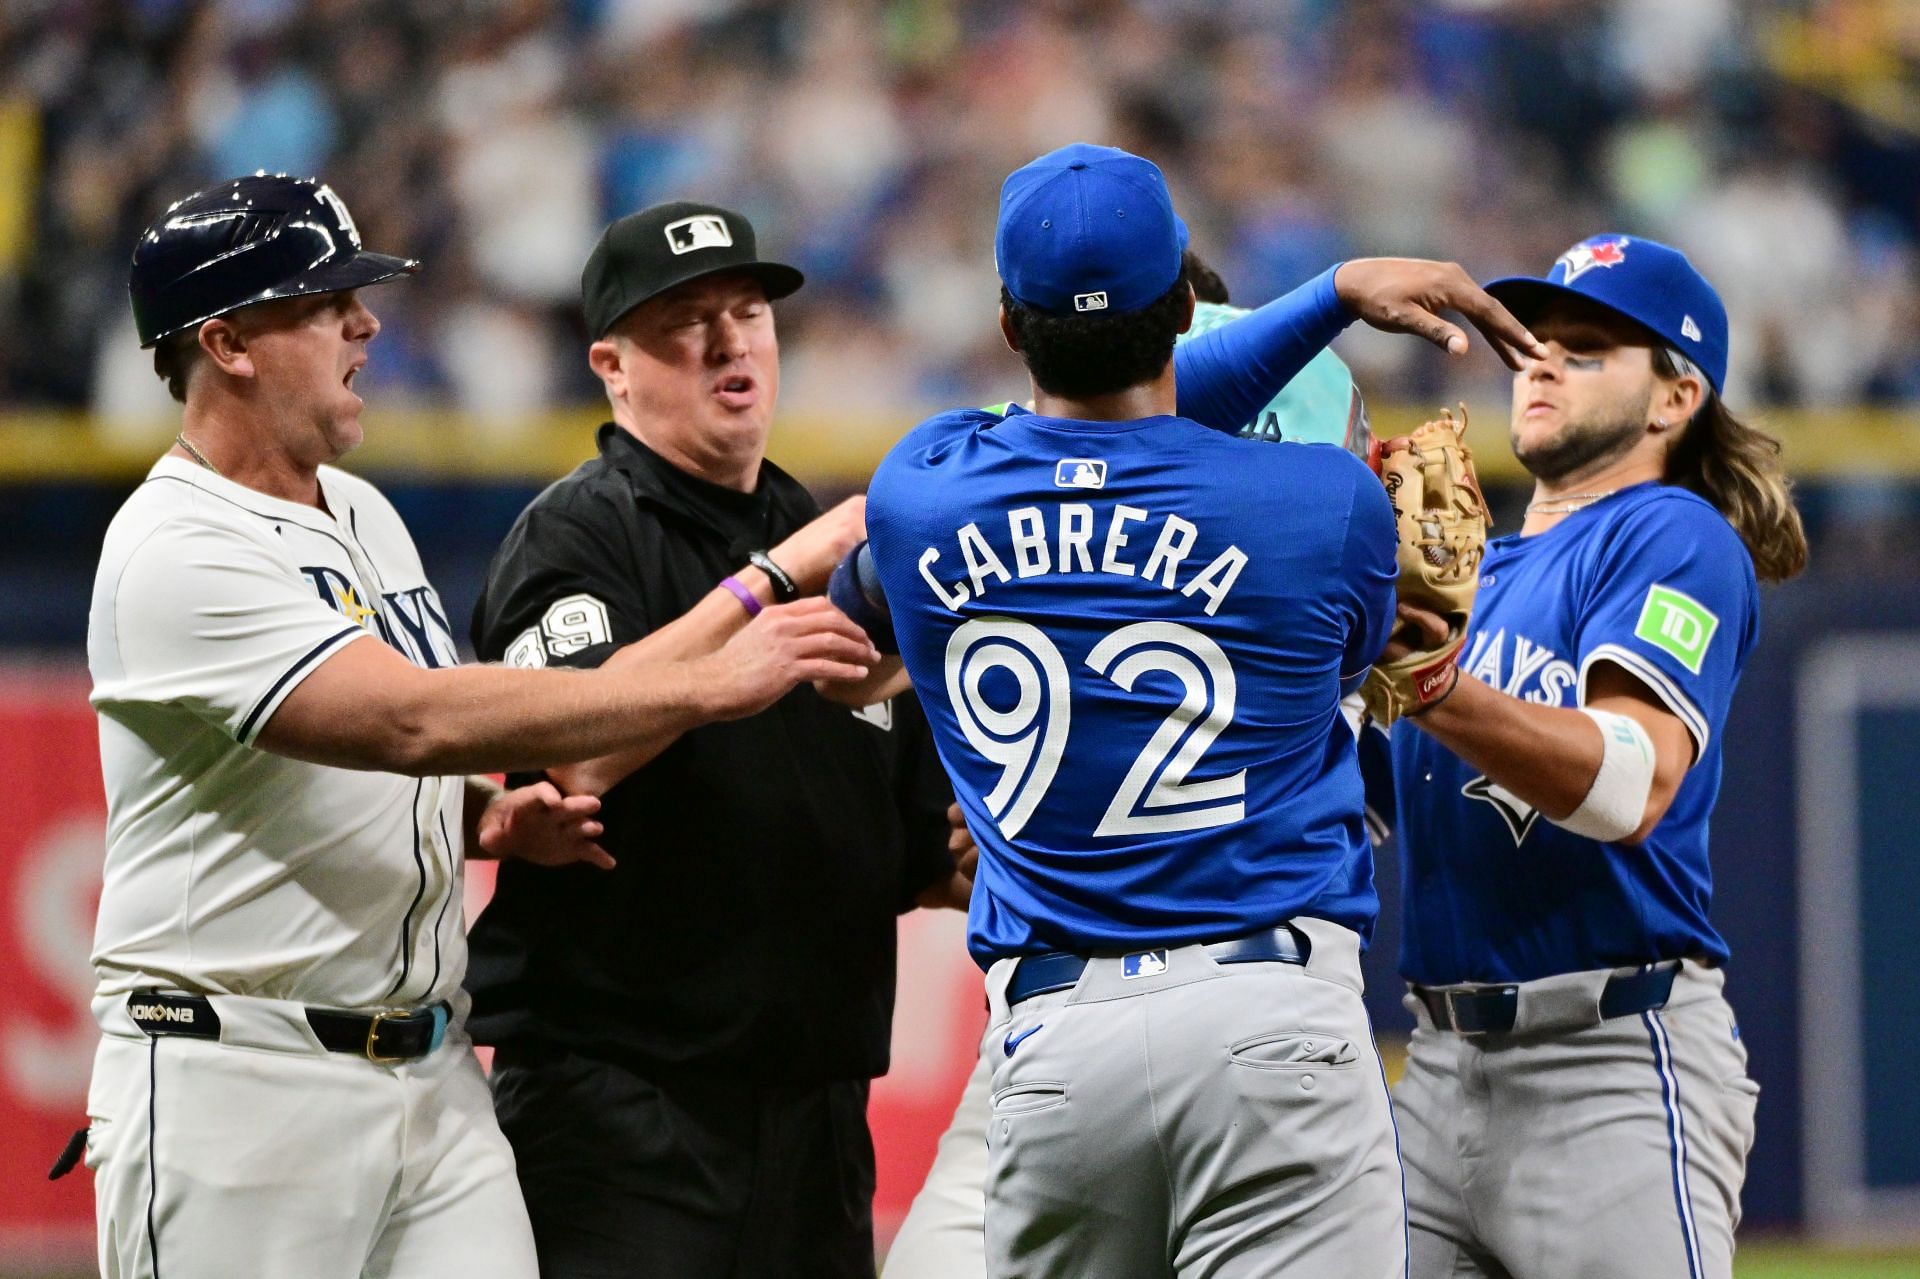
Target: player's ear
(603, 357)
(1677, 399)
(1006, 331)
(226, 345)
(1186, 314)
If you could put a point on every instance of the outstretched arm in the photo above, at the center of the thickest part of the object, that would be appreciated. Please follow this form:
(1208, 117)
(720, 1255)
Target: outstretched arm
(368, 707)
(1223, 377)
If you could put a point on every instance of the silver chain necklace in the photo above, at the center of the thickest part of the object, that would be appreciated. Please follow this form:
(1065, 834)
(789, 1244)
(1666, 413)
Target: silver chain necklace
(1567, 503)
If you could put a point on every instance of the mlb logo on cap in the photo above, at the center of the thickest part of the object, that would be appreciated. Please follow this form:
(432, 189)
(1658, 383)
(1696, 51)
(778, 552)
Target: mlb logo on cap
(644, 254)
(1147, 963)
(703, 231)
(1079, 473)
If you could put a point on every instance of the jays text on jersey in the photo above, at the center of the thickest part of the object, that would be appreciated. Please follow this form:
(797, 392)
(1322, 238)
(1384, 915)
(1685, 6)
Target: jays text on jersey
(1131, 639)
(1656, 581)
(230, 870)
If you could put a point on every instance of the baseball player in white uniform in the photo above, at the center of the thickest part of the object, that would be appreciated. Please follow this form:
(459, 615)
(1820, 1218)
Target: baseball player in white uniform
(284, 1086)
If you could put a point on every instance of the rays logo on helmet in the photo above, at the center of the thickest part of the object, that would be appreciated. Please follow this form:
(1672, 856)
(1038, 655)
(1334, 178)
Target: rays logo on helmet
(1582, 258)
(339, 207)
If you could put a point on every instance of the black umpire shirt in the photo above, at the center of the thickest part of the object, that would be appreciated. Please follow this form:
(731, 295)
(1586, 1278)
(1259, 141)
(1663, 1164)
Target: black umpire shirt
(749, 928)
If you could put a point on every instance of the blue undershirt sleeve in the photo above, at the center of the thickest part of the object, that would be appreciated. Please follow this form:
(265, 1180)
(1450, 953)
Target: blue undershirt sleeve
(855, 590)
(1224, 377)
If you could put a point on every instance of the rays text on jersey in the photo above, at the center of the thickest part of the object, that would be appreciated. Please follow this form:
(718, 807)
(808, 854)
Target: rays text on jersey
(411, 621)
(1080, 538)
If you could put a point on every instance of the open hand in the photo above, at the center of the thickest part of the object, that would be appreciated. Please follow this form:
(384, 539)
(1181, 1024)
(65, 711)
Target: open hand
(538, 824)
(1406, 295)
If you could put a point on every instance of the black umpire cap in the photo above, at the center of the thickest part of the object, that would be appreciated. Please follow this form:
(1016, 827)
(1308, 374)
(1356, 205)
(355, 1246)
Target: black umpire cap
(245, 241)
(644, 254)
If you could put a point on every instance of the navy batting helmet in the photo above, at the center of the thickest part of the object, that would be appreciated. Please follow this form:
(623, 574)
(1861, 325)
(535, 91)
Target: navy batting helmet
(246, 241)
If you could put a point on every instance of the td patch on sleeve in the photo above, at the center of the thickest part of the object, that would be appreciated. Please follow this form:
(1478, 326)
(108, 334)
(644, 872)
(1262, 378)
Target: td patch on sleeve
(1677, 622)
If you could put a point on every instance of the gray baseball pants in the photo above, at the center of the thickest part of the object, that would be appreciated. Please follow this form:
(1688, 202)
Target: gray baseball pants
(942, 1235)
(1574, 1148)
(1196, 1120)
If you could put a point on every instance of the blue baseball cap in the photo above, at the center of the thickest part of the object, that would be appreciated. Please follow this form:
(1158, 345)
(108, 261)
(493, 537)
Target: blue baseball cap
(1650, 283)
(1088, 228)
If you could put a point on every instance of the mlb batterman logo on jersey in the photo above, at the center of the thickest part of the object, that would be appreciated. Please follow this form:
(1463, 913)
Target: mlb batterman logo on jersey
(1079, 473)
(702, 231)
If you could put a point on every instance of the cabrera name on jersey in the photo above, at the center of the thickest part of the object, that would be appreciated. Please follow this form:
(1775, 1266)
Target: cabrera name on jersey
(1131, 638)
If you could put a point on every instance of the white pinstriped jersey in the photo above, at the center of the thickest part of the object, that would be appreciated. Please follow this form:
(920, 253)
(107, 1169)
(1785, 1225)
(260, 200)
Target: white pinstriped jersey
(231, 870)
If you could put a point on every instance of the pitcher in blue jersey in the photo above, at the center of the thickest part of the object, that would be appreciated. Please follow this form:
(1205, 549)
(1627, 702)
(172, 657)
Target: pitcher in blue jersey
(941, 1237)
(1576, 1099)
(1132, 633)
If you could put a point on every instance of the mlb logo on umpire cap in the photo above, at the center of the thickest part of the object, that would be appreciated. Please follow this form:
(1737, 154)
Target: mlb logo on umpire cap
(644, 254)
(702, 231)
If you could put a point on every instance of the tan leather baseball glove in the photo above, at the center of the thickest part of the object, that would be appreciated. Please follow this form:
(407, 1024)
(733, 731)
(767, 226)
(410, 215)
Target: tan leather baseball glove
(1442, 521)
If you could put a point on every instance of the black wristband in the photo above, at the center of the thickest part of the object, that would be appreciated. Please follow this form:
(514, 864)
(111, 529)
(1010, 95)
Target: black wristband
(784, 590)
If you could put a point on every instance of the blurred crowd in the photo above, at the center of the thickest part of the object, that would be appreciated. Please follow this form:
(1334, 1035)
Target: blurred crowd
(1774, 140)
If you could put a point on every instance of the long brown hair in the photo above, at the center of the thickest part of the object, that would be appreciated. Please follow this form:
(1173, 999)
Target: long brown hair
(1737, 468)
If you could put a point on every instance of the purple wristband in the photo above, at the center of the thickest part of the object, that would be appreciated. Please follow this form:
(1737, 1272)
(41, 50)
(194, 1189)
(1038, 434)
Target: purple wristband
(748, 600)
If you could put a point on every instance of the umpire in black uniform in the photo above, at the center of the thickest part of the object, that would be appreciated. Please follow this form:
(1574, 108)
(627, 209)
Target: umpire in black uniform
(685, 1042)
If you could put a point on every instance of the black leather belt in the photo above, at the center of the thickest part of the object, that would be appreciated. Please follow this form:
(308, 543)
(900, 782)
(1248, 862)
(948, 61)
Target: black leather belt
(1491, 1010)
(390, 1035)
(1059, 970)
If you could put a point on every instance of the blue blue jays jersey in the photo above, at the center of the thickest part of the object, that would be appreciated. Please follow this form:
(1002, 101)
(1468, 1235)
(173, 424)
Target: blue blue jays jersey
(1656, 581)
(1131, 639)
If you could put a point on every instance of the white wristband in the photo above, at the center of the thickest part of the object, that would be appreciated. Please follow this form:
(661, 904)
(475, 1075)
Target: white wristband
(1617, 800)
